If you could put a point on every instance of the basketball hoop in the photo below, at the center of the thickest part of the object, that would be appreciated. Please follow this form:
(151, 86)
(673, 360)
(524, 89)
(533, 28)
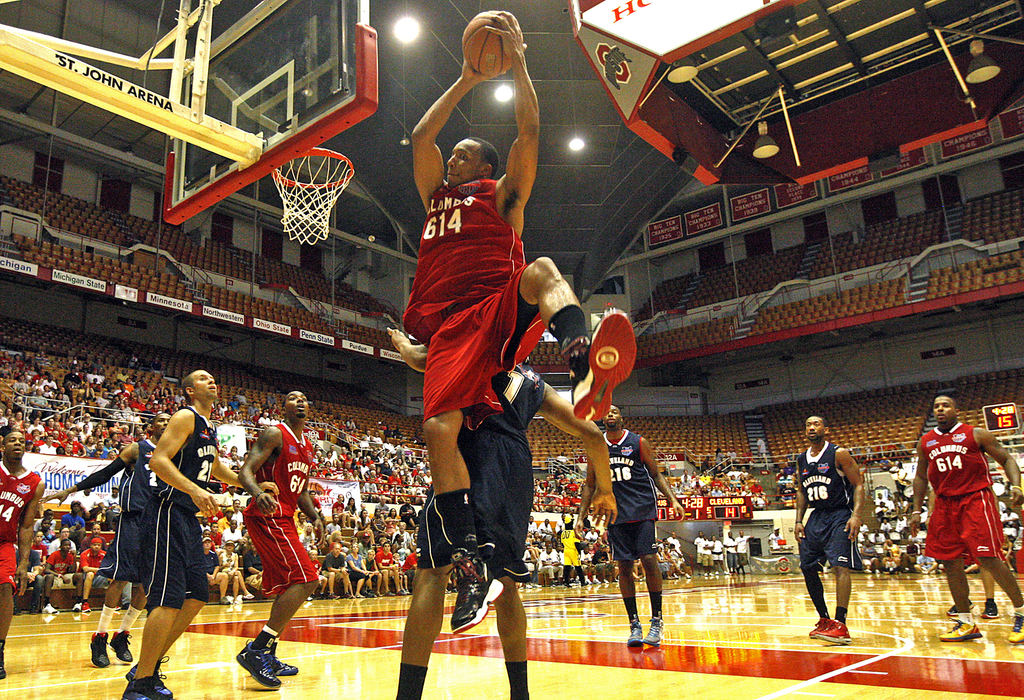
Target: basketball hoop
(309, 186)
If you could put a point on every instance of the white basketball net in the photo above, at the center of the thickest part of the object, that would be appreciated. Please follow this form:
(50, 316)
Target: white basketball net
(309, 186)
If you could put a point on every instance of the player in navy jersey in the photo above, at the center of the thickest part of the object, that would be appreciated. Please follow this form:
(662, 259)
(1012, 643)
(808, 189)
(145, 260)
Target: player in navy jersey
(501, 495)
(829, 481)
(184, 462)
(122, 564)
(477, 304)
(635, 476)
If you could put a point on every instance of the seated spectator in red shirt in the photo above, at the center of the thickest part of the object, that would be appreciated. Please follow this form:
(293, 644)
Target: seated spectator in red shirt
(61, 566)
(389, 570)
(89, 563)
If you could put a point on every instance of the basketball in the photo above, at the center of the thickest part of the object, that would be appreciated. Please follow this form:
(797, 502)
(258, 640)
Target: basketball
(484, 50)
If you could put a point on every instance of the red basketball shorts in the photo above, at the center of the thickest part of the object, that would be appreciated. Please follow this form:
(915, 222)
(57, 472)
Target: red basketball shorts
(8, 565)
(967, 524)
(285, 561)
(471, 346)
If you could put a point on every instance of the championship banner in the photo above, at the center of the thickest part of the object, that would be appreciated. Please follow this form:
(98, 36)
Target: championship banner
(229, 436)
(59, 472)
(326, 493)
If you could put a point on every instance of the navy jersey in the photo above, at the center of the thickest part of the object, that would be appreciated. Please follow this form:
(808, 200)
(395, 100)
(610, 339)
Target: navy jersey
(823, 480)
(632, 484)
(195, 461)
(521, 393)
(137, 483)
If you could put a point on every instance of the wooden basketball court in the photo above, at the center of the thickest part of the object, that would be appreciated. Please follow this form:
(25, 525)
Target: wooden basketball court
(739, 639)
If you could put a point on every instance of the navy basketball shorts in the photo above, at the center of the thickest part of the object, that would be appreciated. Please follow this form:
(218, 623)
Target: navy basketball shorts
(501, 494)
(826, 539)
(123, 559)
(631, 541)
(174, 569)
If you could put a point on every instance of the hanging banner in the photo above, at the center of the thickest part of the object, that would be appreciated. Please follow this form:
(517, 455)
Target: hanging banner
(965, 143)
(703, 219)
(748, 206)
(326, 493)
(229, 435)
(851, 178)
(792, 194)
(664, 231)
(908, 161)
(1012, 123)
(59, 472)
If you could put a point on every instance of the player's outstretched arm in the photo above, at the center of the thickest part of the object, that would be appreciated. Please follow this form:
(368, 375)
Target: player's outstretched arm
(559, 413)
(992, 447)
(920, 491)
(266, 447)
(852, 472)
(658, 476)
(177, 433)
(413, 355)
(128, 455)
(514, 187)
(427, 161)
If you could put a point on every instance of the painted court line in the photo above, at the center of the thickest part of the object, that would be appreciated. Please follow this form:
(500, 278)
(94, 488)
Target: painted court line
(907, 645)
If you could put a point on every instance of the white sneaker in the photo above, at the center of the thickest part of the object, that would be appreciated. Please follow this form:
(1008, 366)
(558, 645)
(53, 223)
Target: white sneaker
(231, 600)
(50, 610)
(248, 596)
(77, 608)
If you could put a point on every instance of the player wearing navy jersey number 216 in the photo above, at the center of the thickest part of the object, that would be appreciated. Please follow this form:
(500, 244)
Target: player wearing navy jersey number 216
(184, 462)
(282, 455)
(965, 519)
(635, 476)
(829, 481)
(122, 563)
(21, 491)
(477, 305)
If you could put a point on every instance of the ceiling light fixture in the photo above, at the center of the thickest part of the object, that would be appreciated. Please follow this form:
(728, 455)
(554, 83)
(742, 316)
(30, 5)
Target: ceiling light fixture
(576, 144)
(504, 92)
(981, 68)
(682, 71)
(765, 146)
(407, 29)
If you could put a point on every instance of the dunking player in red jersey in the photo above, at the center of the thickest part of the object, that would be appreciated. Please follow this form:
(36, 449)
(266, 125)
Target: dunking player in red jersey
(475, 302)
(965, 518)
(20, 494)
(282, 455)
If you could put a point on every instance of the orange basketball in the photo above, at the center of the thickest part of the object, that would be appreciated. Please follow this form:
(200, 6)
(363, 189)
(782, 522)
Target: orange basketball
(483, 49)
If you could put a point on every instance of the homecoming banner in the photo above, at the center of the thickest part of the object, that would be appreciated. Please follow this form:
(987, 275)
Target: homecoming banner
(60, 472)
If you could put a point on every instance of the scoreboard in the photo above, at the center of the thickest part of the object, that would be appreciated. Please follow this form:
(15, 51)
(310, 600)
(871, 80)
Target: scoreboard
(1001, 416)
(708, 508)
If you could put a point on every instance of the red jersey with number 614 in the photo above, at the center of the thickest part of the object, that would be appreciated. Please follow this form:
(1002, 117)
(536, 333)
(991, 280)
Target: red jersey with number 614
(15, 493)
(289, 471)
(956, 464)
(467, 252)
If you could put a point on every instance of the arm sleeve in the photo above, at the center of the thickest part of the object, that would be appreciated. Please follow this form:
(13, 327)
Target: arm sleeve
(102, 476)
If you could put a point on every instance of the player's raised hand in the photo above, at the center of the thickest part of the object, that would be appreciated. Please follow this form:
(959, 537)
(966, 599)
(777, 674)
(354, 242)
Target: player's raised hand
(798, 531)
(914, 523)
(61, 495)
(204, 502)
(578, 528)
(512, 42)
(604, 507)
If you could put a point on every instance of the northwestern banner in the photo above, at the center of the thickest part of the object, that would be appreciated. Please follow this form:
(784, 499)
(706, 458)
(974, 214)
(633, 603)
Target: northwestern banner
(222, 315)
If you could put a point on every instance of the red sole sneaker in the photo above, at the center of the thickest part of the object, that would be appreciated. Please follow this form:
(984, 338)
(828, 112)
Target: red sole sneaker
(612, 355)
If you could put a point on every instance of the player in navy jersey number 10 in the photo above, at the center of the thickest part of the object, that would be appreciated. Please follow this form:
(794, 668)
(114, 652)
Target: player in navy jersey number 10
(635, 477)
(829, 481)
(965, 519)
(122, 563)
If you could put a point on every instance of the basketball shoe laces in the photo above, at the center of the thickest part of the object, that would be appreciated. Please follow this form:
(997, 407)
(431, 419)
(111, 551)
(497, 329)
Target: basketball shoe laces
(1018, 623)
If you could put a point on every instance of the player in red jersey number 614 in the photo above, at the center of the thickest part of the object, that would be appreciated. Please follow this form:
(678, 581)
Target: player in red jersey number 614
(965, 520)
(476, 304)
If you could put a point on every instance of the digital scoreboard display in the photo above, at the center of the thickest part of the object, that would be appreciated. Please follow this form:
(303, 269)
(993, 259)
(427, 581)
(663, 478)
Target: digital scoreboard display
(1001, 416)
(708, 508)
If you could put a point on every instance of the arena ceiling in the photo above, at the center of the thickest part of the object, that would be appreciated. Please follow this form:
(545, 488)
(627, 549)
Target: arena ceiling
(587, 206)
